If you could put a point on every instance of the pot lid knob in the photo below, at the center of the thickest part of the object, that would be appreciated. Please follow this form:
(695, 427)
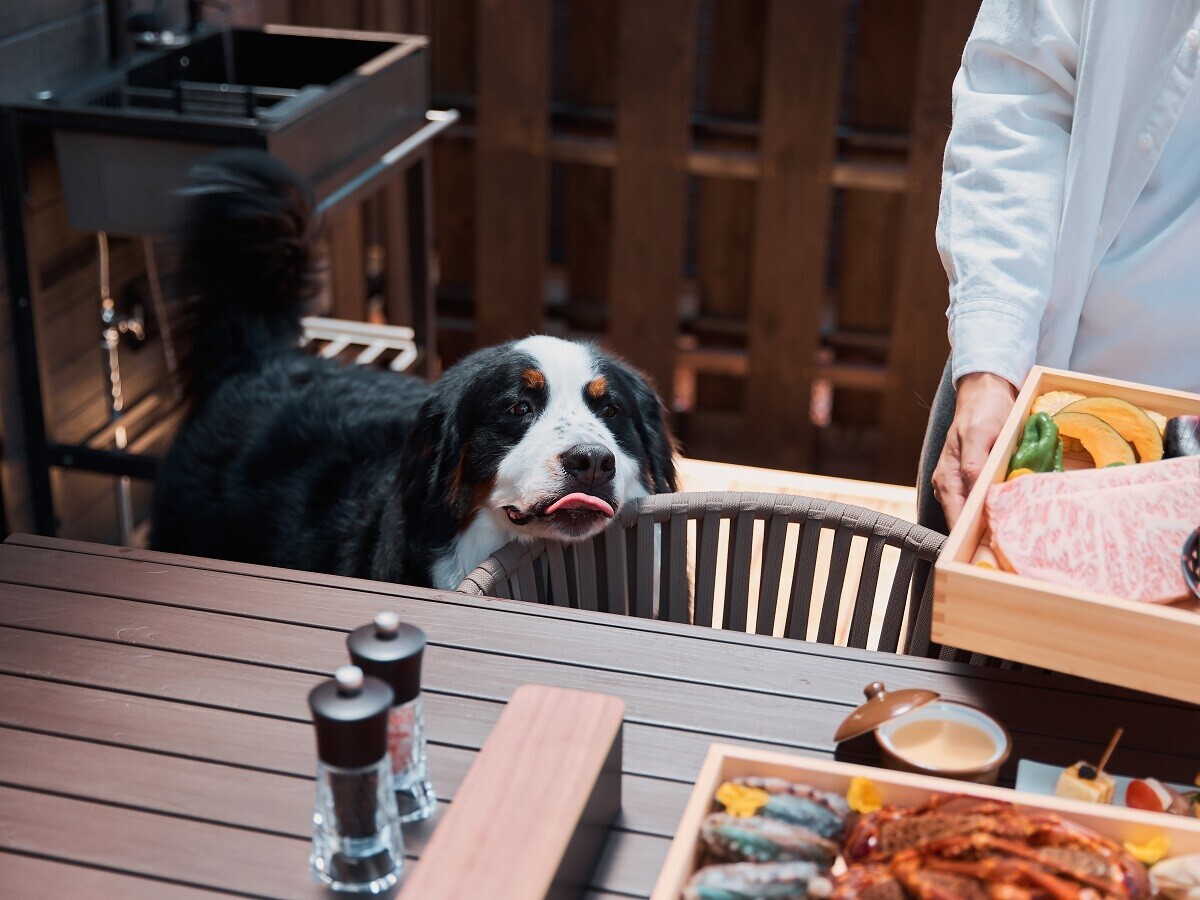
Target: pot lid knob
(882, 706)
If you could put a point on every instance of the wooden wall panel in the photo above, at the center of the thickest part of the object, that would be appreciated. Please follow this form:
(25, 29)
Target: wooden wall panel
(656, 50)
(881, 75)
(591, 82)
(511, 168)
(347, 256)
(725, 241)
(628, 70)
(452, 70)
(919, 347)
(802, 86)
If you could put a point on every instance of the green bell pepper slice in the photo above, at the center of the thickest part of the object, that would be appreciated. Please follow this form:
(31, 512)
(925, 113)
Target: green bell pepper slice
(1040, 449)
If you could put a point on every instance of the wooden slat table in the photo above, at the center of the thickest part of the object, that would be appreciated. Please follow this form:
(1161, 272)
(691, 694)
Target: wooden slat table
(155, 740)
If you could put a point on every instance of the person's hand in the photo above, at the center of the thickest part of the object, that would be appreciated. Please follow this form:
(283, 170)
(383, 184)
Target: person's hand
(983, 403)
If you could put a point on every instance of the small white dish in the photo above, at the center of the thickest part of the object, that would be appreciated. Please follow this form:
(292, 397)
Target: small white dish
(1041, 778)
(980, 743)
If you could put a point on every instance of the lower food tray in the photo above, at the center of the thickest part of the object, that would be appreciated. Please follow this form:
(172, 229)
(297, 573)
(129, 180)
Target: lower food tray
(895, 788)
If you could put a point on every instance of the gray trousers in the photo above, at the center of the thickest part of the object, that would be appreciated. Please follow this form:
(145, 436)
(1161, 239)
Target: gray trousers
(941, 414)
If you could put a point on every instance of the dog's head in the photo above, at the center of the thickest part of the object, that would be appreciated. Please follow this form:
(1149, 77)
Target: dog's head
(539, 438)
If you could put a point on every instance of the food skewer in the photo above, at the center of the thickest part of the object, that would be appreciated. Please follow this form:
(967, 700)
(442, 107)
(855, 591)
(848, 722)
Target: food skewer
(1112, 745)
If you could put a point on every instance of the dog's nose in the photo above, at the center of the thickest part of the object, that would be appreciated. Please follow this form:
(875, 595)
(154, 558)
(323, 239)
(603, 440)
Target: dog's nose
(590, 464)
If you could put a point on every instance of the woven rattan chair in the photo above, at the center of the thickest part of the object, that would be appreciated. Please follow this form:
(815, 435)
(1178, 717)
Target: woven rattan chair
(663, 557)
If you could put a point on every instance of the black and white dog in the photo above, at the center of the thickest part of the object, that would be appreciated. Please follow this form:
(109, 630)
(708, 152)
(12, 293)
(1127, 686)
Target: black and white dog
(291, 460)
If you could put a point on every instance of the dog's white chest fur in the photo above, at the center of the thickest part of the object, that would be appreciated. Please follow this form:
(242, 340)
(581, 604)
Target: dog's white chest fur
(484, 536)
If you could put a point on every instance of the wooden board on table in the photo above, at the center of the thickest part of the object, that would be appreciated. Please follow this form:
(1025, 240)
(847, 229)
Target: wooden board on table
(532, 814)
(1145, 646)
(895, 788)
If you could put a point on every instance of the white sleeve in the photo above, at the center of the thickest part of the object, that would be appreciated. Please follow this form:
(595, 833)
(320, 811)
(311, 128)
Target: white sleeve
(1002, 180)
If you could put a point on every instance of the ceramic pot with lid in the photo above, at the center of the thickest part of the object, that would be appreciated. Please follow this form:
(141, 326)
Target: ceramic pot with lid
(917, 731)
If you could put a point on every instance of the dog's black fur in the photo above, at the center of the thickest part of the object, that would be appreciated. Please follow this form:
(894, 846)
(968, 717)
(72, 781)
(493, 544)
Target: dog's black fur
(288, 459)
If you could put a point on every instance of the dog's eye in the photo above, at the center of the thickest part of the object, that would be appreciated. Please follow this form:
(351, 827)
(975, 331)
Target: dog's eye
(609, 410)
(521, 409)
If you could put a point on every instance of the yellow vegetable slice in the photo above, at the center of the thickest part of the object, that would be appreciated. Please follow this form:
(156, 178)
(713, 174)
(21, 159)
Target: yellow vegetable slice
(1131, 422)
(862, 796)
(1158, 419)
(741, 801)
(1099, 438)
(1017, 473)
(1151, 850)
(1051, 402)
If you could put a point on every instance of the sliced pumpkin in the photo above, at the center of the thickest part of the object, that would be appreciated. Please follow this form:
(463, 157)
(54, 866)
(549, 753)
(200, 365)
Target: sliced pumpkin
(1131, 422)
(1050, 403)
(1099, 438)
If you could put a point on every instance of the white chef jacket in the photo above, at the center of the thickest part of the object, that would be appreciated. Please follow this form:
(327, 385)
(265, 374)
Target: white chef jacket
(1062, 109)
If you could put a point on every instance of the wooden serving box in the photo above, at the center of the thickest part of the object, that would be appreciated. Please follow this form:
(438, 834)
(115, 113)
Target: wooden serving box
(899, 788)
(1146, 646)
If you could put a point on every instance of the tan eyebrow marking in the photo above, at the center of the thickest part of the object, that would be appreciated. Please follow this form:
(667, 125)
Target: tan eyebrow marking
(597, 387)
(533, 379)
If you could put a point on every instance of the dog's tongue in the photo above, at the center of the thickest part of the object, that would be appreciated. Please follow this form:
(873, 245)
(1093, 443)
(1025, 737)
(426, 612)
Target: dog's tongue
(580, 501)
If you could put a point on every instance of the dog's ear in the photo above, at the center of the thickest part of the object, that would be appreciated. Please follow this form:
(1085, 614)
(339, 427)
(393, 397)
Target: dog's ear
(650, 422)
(431, 453)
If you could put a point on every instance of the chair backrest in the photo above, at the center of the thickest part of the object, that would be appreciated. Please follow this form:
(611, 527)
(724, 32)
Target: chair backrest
(773, 564)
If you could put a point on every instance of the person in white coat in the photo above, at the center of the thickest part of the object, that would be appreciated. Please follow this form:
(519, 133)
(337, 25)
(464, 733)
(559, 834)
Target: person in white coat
(1069, 223)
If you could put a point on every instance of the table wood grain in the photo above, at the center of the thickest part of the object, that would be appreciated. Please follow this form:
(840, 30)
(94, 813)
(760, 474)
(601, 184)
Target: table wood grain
(155, 738)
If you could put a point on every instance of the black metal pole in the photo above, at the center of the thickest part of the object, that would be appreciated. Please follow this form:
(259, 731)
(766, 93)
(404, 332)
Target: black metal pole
(12, 191)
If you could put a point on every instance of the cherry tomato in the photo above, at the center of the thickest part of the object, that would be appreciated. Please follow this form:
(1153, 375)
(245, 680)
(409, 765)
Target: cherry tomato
(1142, 795)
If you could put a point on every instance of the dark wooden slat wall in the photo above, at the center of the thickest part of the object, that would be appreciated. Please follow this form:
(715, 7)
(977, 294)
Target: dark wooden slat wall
(590, 81)
(919, 346)
(725, 230)
(883, 65)
(656, 48)
(761, 234)
(511, 168)
(347, 260)
(761, 321)
(798, 195)
(802, 61)
(453, 76)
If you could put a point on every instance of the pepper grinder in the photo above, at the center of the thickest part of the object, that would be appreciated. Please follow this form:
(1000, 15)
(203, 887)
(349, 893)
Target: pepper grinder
(391, 650)
(357, 843)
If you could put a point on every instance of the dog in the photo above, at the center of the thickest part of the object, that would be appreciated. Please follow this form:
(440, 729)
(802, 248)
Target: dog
(287, 459)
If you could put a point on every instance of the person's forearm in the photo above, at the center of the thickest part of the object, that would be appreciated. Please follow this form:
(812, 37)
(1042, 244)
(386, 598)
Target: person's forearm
(1002, 190)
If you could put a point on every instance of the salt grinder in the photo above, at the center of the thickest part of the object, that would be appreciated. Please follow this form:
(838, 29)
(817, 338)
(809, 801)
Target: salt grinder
(392, 651)
(357, 843)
